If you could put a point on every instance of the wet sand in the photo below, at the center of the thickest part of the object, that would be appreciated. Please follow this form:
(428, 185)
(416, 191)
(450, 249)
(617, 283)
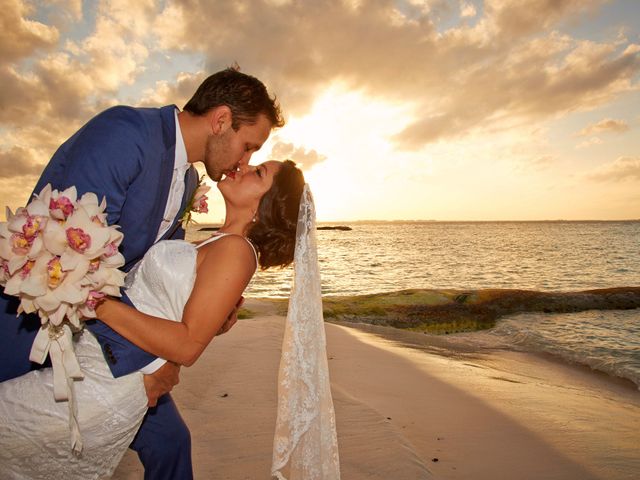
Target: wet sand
(405, 413)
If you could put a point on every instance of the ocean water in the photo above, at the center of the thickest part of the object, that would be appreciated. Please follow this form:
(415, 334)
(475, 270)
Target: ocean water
(608, 341)
(547, 256)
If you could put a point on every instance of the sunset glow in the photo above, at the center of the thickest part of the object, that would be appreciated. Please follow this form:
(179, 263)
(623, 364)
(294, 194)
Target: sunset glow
(412, 109)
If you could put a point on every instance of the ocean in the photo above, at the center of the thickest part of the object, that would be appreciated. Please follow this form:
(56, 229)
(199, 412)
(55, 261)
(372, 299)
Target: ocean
(379, 257)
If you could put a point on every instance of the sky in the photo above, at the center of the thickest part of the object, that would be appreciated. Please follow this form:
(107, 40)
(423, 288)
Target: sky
(396, 110)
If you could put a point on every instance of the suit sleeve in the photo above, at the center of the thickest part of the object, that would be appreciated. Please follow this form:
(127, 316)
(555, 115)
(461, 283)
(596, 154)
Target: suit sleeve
(105, 157)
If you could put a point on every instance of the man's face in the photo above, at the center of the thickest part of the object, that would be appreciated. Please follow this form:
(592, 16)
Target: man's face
(232, 150)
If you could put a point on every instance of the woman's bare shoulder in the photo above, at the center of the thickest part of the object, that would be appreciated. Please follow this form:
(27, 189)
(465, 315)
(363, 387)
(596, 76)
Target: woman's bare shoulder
(231, 251)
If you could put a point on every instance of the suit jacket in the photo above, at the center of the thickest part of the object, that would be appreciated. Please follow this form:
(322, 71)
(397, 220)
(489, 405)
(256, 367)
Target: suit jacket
(126, 155)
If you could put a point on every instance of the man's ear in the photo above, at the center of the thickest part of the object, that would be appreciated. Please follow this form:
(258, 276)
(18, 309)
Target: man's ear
(220, 118)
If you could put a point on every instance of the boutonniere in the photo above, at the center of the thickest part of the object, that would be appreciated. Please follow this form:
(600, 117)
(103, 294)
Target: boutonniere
(197, 203)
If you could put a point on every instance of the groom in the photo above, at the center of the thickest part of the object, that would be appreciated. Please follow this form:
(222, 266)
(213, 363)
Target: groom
(141, 160)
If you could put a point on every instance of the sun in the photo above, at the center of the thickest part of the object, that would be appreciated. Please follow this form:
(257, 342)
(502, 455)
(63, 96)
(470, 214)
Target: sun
(353, 131)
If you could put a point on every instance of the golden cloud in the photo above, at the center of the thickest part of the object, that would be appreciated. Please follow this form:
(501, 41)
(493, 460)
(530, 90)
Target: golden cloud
(307, 158)
(606, 125)
(511, 63)
(621, 170)
(19, 36)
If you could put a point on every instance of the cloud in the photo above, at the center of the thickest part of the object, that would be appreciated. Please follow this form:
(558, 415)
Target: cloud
(460, 72)
(467, 10)
(19, 161)
(590, 142)
(61, 82)
(20, 36)
(620, 170)
(534, 163)
(178, 92)
(72, 8)
(510, 63)
(543, 161)
(306, 158)
(606, 125)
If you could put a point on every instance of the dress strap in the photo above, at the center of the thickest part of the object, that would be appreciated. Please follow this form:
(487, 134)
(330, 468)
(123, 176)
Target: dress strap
(219, 235)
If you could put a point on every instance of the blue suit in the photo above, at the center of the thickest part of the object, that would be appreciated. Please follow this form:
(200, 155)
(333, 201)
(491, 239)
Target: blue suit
(126, 155)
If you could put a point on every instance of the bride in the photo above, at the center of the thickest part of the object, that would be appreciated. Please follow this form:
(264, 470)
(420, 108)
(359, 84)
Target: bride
(183, 294)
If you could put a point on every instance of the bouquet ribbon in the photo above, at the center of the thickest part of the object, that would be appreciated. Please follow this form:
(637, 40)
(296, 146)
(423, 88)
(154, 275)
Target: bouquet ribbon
(57, 342)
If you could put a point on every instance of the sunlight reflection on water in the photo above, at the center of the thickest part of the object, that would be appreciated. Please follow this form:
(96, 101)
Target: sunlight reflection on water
(378, 257)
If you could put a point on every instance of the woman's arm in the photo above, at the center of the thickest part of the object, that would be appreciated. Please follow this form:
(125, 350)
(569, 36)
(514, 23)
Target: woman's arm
(223, 271)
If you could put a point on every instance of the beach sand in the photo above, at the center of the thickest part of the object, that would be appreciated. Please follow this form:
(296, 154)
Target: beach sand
(437, 410)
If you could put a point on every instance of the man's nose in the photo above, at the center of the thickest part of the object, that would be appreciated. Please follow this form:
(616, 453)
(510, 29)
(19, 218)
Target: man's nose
(243, 168)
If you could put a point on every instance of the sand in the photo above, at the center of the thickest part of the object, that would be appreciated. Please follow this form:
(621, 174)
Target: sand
(411, 413)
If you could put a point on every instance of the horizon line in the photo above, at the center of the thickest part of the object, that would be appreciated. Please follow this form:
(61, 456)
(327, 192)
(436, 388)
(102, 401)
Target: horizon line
(458, 221)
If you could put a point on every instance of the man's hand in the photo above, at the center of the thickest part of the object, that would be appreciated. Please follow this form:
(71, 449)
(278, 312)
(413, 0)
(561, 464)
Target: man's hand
(161, 381)
(231, 319)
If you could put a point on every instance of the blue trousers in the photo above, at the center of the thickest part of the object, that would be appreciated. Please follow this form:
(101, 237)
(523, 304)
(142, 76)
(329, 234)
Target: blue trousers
(163, 442)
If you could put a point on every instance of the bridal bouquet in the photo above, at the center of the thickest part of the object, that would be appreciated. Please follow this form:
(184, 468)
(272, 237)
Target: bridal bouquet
(59, 257)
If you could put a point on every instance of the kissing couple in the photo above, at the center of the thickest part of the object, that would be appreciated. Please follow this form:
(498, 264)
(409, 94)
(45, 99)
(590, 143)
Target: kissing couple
(178, 296)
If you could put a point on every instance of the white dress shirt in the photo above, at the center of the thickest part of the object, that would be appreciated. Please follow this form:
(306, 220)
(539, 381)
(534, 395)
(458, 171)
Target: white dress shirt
(174, 200)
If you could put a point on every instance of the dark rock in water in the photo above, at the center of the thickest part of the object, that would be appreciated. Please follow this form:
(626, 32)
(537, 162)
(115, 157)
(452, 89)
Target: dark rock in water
(344, 228)
(462, 297)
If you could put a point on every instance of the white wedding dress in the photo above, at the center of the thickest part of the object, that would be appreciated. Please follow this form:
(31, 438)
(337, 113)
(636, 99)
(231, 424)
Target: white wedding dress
(34, 428)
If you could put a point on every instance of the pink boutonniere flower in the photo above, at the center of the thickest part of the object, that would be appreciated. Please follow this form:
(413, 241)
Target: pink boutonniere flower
(197, 204)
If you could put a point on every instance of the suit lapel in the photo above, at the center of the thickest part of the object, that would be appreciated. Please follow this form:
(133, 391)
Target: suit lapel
(191, 183)
(167, 135)
(167, 166)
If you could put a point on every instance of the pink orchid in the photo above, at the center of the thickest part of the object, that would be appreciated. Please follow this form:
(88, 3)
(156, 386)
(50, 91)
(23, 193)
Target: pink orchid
(78, 239)
(55, 273)
(61, 207)
(20, 244)
(111, 249)
(199, 197)
(94, 299)
(32, 226)
(26, 268)
(198, 203)
(201, 205)
(94, 265)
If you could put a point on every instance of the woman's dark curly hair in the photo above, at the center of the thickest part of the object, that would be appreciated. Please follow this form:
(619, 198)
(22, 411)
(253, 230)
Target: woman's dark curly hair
(274, 233)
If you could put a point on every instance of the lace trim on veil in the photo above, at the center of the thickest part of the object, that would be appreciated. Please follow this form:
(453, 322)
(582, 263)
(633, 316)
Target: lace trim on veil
(305, 438)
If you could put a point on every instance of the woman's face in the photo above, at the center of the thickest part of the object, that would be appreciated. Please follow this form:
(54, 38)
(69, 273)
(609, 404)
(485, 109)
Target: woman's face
(247, 189)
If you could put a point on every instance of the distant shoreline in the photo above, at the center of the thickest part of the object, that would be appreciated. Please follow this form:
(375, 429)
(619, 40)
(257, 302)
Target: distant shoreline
(342, 228)
(215, 226)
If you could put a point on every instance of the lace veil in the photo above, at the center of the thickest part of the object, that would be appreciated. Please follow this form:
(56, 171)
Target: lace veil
(305, 445)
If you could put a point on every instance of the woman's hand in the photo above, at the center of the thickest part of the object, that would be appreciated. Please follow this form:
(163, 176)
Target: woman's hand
(161, 382)
(102, 310)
